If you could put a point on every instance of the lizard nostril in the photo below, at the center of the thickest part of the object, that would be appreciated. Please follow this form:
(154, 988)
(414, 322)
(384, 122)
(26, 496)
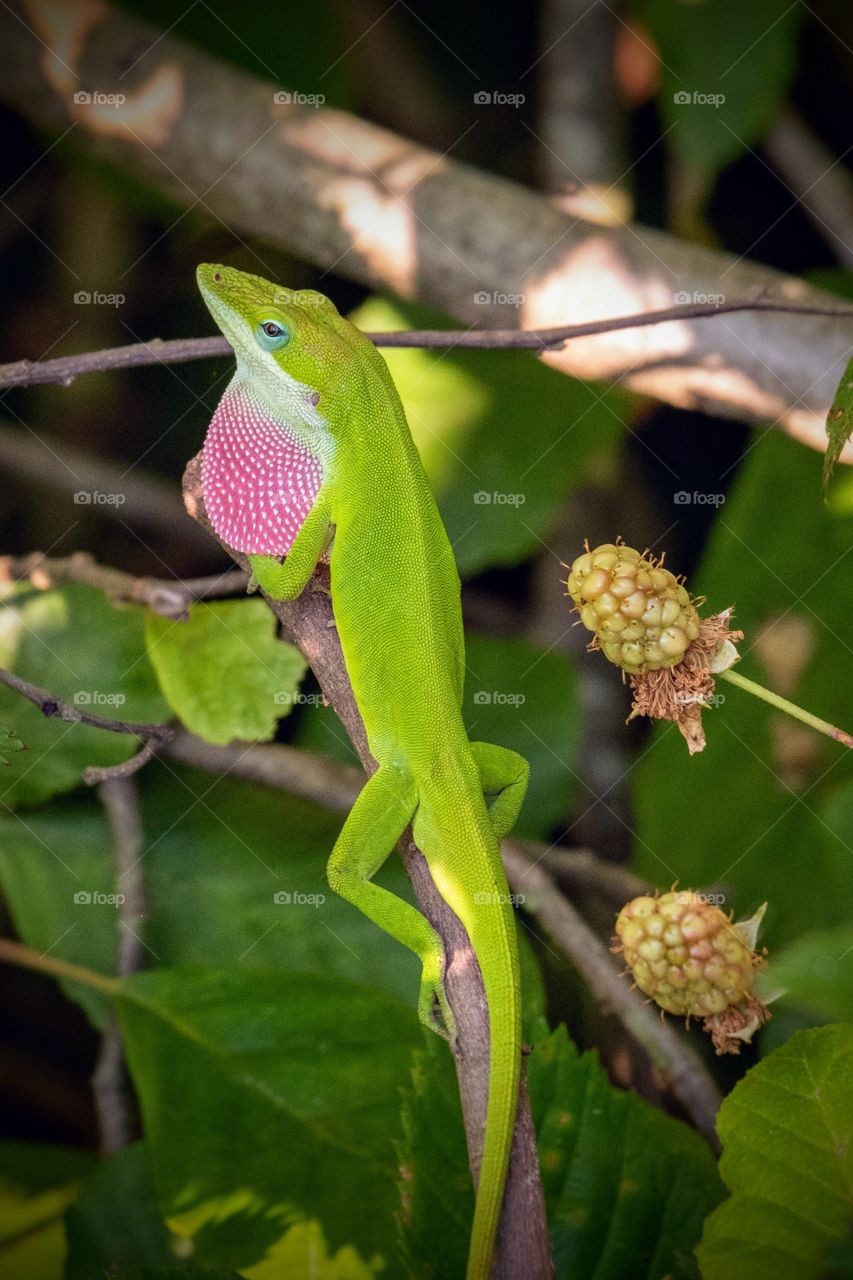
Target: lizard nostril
(217, 277)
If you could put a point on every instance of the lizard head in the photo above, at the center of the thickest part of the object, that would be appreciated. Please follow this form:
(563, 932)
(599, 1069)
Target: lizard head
(292, 345)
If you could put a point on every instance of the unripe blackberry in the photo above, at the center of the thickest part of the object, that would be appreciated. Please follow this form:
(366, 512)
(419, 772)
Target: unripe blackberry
(686, 954)
(642, 616)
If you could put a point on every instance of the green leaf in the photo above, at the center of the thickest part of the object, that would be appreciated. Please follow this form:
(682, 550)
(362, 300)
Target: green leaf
(436, 1195)
(79, 648)
(752, 811)
(626, 1187)
(504, 439)
(839, 424)
(115, 1221)
(816, 973)
(788, 1162)
(266, 1098)
(726, 68)
(223, 671)
(37, 1184)
(57, 877)
(520, 697)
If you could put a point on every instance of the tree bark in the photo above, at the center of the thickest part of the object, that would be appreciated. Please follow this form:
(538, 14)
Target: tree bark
(350, 196)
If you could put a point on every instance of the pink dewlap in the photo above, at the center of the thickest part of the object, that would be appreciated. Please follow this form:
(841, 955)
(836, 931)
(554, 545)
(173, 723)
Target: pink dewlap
(259, 482)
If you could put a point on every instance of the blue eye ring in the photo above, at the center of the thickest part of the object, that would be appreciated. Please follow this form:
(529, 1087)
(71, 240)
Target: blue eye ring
(271, 335)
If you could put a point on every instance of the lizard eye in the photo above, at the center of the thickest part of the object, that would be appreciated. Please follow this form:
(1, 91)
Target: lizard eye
(271, 335)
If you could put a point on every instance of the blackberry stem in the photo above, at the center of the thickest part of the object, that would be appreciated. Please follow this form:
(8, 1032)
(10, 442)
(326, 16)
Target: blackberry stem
(775, 700)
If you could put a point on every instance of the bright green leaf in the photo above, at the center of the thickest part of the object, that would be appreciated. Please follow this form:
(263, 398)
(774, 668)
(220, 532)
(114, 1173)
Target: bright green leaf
(37, 1184)
(223, 671)
(504, 438)
(79, 648)
(788, 1162)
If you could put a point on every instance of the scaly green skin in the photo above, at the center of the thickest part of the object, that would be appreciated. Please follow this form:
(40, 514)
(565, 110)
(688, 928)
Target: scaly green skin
(395, 593)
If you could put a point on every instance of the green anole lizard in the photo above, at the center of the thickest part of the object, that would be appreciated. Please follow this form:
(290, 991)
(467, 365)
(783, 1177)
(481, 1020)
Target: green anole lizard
(309, 451)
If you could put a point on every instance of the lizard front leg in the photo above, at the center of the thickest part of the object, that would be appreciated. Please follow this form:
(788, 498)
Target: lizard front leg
(286, 581)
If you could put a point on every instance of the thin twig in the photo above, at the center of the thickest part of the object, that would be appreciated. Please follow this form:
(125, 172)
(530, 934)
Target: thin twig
(171, 598)
(790, 708)
(110, 1081)
(64, 369)
(822, 185)
(50, 705)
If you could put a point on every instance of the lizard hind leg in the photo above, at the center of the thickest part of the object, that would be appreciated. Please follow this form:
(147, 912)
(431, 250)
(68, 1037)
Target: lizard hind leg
(503, 774)
(376, 821)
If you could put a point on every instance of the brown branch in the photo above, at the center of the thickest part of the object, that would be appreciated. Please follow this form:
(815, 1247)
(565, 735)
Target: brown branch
(522, 1246)
(171, 598)
(110, 1082)
(398, 217)
(64, 369)
(53, 706)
